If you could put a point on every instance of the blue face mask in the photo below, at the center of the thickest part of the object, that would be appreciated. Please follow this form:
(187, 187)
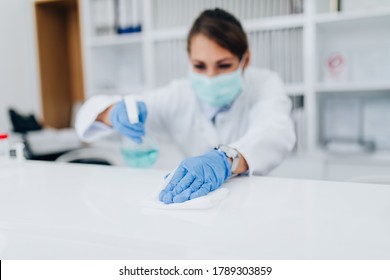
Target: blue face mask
(217, 91)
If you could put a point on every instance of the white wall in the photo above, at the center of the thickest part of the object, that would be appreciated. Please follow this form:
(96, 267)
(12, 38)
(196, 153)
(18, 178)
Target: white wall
(18, 62)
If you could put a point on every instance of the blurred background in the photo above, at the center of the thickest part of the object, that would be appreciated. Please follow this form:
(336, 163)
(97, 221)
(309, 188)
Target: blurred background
(334, 57)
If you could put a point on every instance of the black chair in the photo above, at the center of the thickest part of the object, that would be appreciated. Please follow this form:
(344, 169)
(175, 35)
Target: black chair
(23, 124)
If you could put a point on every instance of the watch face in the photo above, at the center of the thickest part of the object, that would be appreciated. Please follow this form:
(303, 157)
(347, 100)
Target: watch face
(232, 154)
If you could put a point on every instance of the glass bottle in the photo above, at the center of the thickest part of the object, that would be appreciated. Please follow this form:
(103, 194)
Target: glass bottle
(138, 155)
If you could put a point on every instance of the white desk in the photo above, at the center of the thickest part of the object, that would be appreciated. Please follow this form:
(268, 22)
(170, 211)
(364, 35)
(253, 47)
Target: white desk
(65, 211)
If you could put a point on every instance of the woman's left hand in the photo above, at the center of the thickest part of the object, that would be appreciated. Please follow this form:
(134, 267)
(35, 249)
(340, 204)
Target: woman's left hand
(197, 176)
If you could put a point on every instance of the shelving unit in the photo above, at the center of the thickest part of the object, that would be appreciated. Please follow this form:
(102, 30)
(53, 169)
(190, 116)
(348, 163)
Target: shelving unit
(156, 39)
(352, 90)
(158, 54)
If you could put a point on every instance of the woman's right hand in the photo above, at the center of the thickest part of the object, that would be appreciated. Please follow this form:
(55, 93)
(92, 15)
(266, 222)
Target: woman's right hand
(119, 120)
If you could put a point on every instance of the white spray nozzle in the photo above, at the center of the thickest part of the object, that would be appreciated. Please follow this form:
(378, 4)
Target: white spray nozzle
(132, 109)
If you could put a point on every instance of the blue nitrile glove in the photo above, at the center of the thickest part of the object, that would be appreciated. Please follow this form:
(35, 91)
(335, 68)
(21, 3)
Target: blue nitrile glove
(120, 121)
(197, 176)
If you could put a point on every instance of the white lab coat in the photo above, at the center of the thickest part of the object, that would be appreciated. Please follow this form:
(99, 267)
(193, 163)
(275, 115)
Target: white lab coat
(258, 123)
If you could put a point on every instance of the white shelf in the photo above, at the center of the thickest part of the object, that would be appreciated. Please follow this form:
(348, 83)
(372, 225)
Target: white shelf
(351, 16)
(352, 87)
(291, 90)
(295, 89)
(117, 91)
(170, 34)
(290, 21)
(249, 25)
(113, 40)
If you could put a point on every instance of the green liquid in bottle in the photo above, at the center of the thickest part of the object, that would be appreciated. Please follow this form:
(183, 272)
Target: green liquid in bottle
(139, 158)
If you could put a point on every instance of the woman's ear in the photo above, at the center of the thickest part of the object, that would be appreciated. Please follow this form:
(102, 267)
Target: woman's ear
(247, 59)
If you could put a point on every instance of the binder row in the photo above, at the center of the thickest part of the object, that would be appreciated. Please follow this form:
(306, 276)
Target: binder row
(116, 16)
(165, 17)
(280, 50)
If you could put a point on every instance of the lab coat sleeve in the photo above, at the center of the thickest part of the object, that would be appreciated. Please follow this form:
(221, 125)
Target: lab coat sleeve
(160, 104)
(87, 128)
(270, 135)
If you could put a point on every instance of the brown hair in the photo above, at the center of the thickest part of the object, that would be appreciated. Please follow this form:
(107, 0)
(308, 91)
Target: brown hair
(221, 27)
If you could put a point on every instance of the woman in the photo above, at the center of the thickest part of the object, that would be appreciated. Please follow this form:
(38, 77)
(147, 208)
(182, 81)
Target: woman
(241, 112)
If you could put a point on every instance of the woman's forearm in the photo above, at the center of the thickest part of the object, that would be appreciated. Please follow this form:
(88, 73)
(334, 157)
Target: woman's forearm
(104, 116)
(242, 165)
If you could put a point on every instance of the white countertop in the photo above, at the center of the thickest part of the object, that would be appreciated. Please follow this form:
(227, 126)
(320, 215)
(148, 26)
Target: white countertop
(70, 211)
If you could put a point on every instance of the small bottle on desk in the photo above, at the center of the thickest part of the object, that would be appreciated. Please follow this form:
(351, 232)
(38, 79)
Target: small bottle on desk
(4, 146)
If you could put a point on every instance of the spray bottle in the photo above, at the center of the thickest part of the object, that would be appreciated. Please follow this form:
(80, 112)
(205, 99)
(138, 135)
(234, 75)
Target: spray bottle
(139, 155)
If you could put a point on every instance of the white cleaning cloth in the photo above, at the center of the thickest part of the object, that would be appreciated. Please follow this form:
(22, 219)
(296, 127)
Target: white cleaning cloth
(203, 202)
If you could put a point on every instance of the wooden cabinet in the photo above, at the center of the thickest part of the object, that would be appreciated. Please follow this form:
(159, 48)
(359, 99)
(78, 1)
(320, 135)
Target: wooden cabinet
(60, 59)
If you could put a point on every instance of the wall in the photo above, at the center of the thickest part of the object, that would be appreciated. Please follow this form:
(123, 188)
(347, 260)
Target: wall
(18, 68)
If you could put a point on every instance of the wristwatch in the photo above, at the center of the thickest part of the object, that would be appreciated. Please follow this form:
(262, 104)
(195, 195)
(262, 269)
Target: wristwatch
(230, 153)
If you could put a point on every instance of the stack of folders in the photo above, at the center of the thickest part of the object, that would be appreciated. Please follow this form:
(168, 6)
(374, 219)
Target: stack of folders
(188, 10)
(280, 50)
(129, 16)
(116, 16)
(103, 16)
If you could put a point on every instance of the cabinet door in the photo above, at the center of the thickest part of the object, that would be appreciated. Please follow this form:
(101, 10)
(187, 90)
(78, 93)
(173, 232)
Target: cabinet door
(60, 59)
